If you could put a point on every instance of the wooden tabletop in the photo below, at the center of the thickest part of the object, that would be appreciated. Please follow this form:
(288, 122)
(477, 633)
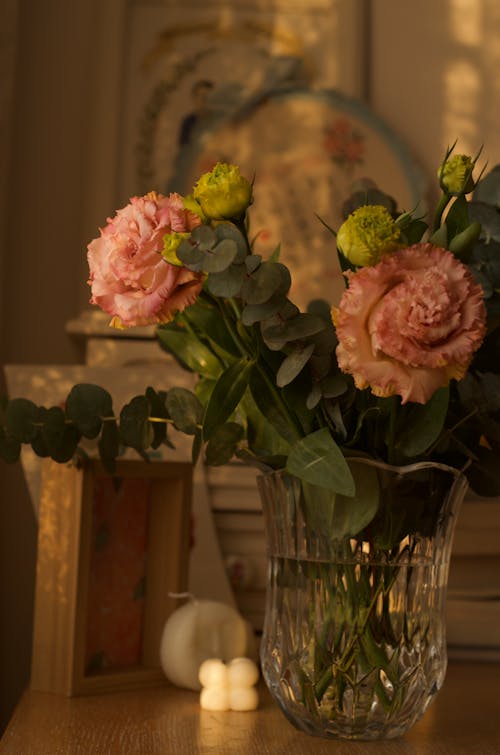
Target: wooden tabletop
(463, 720)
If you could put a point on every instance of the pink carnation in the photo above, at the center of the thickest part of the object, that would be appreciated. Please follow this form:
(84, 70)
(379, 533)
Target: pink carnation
(411, 323)
(129, 278)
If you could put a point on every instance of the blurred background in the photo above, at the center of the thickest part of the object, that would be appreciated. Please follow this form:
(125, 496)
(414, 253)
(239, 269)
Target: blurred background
(103, 99)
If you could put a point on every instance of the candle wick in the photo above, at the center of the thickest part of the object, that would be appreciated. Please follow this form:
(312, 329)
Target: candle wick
(181, 595)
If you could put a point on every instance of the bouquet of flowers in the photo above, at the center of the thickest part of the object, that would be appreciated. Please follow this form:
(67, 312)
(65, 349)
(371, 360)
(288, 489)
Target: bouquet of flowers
(403, 369)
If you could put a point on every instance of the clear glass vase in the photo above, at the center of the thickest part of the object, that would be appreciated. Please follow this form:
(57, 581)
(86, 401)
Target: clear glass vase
(354, 642)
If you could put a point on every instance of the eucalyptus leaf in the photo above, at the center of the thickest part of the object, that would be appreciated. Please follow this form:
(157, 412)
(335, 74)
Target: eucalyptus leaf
(226, 396)
(488, 188)
(228, 283)
(158, 409)
(228, 230)
(299, 327)
(293, 364)
(204, 237)
(86, 405)
(220, 257)
(185, 410)
(253, 313)
(59, 438)
(318, 460)
(21, 416)
(489, 217)
(191, 256)
(252, 262)
(135, 428)
(263, 283)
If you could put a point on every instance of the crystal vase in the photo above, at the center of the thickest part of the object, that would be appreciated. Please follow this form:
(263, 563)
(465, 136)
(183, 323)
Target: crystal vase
(354, 642)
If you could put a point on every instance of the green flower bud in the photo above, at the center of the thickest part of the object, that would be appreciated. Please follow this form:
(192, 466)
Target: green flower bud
(193, 206)
(171, 243)
(223, 193)
(455, 175)
(367, 234)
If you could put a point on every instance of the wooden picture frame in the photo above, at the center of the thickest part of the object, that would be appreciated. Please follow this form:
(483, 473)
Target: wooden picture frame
(70, 554)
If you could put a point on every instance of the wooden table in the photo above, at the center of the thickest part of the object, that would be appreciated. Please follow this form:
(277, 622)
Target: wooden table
(463, 720)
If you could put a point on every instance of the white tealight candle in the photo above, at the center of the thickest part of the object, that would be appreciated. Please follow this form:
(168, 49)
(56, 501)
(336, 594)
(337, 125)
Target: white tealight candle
(243, 698)
(213, 673)
(242, 672)
(214, 698)
(195, 632)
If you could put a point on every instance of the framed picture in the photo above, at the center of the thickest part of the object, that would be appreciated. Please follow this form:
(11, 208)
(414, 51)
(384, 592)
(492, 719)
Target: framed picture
(112, 552)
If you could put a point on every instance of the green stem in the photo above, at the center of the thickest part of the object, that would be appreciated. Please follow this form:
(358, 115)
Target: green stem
(442, 205)
(393, 415)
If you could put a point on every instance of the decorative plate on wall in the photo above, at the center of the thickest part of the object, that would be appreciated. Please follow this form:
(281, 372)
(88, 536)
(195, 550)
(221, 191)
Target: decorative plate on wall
(307, 151)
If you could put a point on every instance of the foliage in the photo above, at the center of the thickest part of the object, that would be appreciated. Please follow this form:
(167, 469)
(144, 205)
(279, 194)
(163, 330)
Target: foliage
(270, 390)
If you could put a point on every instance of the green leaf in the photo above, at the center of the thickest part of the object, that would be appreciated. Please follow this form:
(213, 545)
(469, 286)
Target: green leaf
(423, 423)
(253, 313)
(20, 418)
(262, 436)
(220, 257)
(317, 459)
(190, 256)
(135, 428)
(293, 364)
(301, 326)
(338, 515)
(457, 218)
(228, 230)
(223, 443)
(185, 410)
(158, 409)
(59, 438)
(488, 188)
(269, 408)
(86, 405)
(488, 217)
(252, 262)
(414, 231)
(206, 320)
(226, 396)
(227, 283)
(268, 279)
(440, 237)
(189, 350)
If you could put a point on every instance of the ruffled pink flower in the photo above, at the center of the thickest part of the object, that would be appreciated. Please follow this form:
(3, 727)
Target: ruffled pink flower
(129, 278)
(410, 324)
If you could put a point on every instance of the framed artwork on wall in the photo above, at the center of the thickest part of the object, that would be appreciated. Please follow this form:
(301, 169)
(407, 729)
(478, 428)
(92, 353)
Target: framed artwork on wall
(263, 88)
(111, 552)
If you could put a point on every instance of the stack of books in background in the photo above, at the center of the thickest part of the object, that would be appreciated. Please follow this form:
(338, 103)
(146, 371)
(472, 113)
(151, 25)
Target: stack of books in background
(473, 605)
(239, 522)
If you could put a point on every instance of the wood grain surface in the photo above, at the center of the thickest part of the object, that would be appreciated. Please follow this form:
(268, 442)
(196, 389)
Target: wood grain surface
(463, 720)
